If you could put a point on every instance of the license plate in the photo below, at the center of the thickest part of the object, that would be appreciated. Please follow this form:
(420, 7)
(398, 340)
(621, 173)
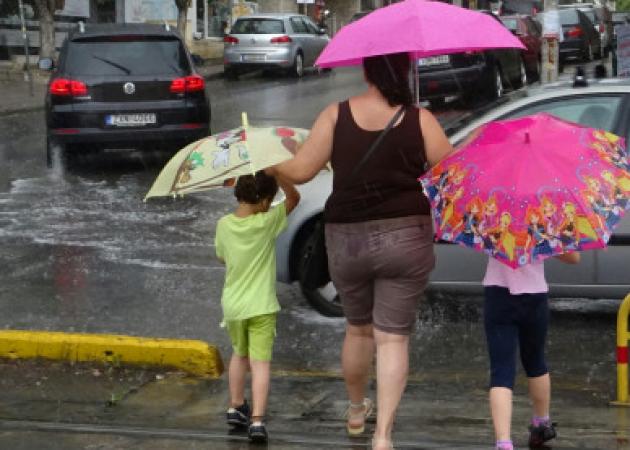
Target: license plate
(253, 57)
(433, 60)
(130, 120)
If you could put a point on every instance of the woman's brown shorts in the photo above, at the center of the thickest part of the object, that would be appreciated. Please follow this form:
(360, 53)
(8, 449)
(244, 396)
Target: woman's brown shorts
(380, 269)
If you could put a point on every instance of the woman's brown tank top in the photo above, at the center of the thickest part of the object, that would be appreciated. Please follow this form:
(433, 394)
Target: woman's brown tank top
(387, 185)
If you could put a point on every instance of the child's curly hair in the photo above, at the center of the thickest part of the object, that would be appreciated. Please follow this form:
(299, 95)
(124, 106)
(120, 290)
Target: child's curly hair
(254, 188)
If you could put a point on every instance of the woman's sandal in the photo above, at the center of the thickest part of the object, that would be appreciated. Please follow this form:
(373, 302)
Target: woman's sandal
(382, 444)
(356, 415)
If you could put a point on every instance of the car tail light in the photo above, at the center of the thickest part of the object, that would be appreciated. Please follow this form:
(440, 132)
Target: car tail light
(192, 83)
(281, 40)
(230, 40)
(69, 88)
(574, 32)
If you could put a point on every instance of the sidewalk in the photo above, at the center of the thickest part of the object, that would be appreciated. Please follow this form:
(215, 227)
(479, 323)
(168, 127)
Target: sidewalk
(83, 405)
(16, 93)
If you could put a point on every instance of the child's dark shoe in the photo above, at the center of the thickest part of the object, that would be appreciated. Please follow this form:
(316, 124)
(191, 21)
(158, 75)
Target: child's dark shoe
(239, 417)
(540, 434)
(257, 432)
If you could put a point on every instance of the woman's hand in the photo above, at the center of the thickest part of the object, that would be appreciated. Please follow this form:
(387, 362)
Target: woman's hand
(314, 153)
(569, 258)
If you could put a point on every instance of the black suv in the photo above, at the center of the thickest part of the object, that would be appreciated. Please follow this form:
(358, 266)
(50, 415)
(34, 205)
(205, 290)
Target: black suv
(470, 75)
(124, 85)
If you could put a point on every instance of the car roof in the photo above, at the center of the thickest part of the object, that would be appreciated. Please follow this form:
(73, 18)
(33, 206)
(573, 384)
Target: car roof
(546, 92)
(270, 16)
(118, 29)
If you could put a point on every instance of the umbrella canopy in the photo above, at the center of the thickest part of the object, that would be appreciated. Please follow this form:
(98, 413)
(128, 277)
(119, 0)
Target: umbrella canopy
(210, 162)
(530, 188)
(419, 27)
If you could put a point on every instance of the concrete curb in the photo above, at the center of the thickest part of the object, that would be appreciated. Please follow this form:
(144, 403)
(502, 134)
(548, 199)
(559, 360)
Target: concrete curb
(26, 109)
(195, 357)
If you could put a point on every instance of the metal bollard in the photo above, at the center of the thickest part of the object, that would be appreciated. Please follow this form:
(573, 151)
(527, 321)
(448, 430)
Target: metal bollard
(623, 336)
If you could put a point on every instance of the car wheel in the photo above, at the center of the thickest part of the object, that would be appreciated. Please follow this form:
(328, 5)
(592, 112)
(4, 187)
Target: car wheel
(589, 53)
(495, 84)
(538, 74)
(324, 299)
(298, 66)
(522, 81)
(231, 73)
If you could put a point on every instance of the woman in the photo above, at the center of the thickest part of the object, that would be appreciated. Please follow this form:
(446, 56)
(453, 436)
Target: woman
(378, 228)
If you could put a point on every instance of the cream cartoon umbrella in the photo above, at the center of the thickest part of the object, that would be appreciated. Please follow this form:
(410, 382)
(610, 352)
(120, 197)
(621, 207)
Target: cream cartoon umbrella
(210, 162)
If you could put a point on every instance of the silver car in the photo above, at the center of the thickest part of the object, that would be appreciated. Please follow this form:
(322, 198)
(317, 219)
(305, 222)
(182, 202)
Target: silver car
(601, 274)
(290, 42)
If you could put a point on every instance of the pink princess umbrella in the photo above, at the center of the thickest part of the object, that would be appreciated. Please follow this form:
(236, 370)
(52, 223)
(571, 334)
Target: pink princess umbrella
(419, 27)
(527, 189)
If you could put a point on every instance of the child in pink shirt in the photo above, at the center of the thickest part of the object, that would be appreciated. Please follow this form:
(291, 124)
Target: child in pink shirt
(516, 314)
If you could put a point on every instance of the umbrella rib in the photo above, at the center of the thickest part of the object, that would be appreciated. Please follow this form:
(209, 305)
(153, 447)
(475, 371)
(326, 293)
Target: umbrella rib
(174, 189)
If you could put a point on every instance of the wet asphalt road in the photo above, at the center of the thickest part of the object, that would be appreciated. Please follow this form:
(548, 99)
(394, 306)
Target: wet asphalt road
(81, 252)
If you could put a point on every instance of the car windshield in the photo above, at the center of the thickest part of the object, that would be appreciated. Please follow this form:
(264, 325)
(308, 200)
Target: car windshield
(125, 55)
(596, 111)
(510, 24)
(258, 26)
(568, 17)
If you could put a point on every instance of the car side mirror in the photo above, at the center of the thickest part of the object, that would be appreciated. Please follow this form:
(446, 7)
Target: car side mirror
(45, 64)
(322, 30)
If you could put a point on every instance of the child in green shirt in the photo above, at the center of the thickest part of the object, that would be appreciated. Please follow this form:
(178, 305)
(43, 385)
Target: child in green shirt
(245, 241)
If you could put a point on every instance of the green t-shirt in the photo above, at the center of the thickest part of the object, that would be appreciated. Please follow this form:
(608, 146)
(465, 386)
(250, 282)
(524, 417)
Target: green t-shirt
(247, 245)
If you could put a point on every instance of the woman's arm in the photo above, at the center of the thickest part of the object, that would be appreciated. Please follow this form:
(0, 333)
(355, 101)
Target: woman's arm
(313, 155)
(436, 144)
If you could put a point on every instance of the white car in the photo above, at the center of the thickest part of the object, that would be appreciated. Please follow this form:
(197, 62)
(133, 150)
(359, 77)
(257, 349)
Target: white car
(601, 274)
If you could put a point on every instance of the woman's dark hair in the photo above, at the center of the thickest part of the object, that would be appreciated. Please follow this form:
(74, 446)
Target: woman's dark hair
(254, 188)
(390, 75)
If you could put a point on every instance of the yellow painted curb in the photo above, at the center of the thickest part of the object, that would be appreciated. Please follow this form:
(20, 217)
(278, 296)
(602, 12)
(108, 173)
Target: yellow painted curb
(195, 357)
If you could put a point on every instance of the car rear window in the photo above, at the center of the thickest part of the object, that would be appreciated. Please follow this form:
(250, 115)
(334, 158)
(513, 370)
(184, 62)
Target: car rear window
(568, 17)
(258, 26)
(590, 14)
(511, 24)
(127, 56)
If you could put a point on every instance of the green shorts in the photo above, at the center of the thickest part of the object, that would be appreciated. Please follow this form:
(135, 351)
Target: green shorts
(253, 337)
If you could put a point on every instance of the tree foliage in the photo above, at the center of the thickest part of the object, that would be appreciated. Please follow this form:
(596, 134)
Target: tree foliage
(623, 5)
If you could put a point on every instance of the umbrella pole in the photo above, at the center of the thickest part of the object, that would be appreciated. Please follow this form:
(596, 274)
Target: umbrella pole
(416, 82)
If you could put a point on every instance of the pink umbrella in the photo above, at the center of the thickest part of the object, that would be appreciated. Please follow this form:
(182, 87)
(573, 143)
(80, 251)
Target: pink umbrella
(530, 188)
(419, 27)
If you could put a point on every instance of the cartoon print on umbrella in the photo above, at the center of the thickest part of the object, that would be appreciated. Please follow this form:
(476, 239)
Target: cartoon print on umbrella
(482, 200)
(219, 160)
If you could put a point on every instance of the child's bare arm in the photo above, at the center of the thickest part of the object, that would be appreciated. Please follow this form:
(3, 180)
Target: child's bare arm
(569, 258)
(292, 195)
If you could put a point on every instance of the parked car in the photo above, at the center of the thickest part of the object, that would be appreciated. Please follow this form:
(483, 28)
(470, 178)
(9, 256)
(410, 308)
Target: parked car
(290, 42)
(601, 274)
(122, 86)
(580, 39)
(358, 15)
(487, 73)
(527, 7)
(619, 18)
(601, 17)
(529, 32)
